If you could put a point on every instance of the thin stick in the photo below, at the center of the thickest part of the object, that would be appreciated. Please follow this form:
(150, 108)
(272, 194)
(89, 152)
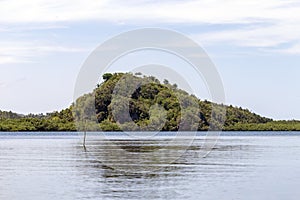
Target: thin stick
(84, 136)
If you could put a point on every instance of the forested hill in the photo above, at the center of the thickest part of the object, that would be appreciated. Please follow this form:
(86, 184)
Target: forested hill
(148, 104)
(153, 92)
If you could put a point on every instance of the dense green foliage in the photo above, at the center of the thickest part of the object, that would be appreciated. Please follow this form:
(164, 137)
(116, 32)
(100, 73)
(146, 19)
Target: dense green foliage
(150, 105)
(56, 121)
(282, 125)
(145, 116)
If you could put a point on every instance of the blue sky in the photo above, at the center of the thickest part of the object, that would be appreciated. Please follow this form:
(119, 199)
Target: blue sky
(254, 44)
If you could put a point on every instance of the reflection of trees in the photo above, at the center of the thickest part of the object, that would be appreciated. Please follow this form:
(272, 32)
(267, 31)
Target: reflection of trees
(134, 156)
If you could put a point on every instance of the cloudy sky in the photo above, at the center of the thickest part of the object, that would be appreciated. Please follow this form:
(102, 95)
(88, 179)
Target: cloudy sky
(255, 45)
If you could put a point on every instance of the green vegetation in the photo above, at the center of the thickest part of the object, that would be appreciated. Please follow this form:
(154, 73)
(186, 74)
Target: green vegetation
(282, 125)
(151, 106)
(56, 121)
(9, 115)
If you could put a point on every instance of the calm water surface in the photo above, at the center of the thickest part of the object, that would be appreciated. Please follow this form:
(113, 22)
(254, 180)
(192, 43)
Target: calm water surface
(240, 167)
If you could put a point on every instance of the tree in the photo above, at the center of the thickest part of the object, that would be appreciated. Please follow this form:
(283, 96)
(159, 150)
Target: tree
(107, 76)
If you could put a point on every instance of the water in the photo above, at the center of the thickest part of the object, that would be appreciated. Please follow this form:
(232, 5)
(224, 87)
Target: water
(240, 167)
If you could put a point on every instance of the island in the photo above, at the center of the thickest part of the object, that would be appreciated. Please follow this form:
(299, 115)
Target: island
(141, 100)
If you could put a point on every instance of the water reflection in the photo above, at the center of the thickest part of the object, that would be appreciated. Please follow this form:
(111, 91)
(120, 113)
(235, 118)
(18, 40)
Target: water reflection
(135, 156)
(130, 158)
(169, 180)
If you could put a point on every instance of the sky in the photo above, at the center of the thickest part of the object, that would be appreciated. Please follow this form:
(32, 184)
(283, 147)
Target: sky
(254, 44)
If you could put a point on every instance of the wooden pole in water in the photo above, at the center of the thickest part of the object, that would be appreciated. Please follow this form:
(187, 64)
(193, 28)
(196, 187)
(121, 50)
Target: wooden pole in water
(84, 136)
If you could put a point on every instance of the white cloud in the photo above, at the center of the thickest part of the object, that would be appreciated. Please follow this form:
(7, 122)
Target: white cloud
(14, 11)
(293, 50)
(7, 59)
(2, 84)
(276, 37)
(279, 20)
(259, 36)
(6, 84)
(22, 52)
(206, 11)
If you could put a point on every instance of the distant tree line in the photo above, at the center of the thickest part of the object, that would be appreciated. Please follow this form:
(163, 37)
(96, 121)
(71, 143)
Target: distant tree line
(56, 121)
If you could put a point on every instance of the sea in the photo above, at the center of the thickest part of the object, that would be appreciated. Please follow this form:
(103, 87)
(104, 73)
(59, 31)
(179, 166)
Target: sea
(114, 166)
